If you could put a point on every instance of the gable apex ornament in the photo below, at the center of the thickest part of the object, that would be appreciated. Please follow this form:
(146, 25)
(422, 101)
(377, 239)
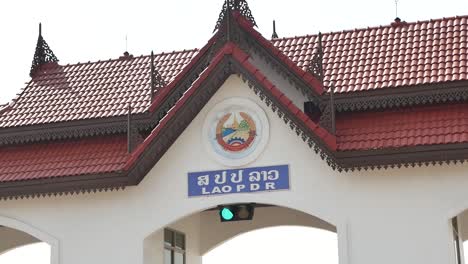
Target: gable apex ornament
(42, 55)
(235, 5)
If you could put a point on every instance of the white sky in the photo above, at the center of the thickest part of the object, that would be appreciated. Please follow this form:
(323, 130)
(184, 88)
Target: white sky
(79, 31)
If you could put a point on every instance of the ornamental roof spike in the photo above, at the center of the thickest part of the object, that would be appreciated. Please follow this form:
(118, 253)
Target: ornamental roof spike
(157, 80)
(274, 35)
(316, 63)
(235, 5)
(42, 55)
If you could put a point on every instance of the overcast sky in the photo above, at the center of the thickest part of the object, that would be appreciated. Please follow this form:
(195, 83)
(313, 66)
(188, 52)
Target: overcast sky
(91, 30)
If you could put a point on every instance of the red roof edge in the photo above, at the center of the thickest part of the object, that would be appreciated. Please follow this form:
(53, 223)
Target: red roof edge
(239, 55)
(161, 94)
(306, 76)
(227, 49)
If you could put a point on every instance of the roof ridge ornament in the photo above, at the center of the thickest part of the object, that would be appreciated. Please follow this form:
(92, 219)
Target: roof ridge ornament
(157, 81)
(316, 63)
(235, 5)
(274, 35)
(42, 55)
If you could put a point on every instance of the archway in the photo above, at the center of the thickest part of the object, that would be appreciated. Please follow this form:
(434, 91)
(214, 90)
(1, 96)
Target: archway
(35, 253)
(12, 239)
(280, 244)
(188, 239)
(16, 234)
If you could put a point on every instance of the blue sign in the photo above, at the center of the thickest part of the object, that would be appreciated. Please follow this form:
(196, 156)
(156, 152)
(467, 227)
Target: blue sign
(238, 181)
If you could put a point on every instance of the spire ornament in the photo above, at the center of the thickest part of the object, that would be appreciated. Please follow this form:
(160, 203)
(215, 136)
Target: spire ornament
(274, 35)
(316, 63)
(157, 81)
(235, 5)
(42, 55)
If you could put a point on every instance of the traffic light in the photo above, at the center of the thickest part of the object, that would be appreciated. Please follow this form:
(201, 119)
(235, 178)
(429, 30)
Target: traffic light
(236, 212)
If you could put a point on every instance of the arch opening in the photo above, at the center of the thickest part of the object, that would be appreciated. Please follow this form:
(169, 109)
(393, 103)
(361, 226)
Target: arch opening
(37, 253)
(204, 233)
(13, 239)
(279, 244)
(23, 243)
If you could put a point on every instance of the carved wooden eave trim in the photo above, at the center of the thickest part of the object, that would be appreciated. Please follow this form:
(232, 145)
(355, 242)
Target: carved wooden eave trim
(60, 186)
(72, 129)
(177, 124)
(296, 125)
(402, 97)
(281, 69)
(415, 156)
(248, 40)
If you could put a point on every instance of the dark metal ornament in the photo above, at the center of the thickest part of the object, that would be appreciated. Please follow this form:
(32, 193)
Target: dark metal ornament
(157, 81)
(235, 5)
(316, 63)
(42, 55)
(275, 34)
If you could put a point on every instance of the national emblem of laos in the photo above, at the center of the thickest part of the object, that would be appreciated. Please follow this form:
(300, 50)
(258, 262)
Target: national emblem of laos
(235, 131)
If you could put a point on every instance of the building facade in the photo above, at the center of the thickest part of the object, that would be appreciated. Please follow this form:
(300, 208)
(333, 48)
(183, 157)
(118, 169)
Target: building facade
(361, 132)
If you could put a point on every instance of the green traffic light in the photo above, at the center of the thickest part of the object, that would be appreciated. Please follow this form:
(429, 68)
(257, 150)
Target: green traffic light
(227, 214)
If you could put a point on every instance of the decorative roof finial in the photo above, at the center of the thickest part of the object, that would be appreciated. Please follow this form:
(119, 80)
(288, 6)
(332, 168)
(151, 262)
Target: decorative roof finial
(274, 35)
(235, 5)
(157, 81)
(396, 11)
(42, 55)
(316, 64)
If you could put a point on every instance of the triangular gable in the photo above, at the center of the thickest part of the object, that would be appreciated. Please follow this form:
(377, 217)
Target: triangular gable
(229, 60)
(166, 97)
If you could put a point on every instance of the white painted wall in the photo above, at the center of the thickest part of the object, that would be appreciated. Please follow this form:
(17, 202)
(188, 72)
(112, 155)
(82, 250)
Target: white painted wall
(386, 217)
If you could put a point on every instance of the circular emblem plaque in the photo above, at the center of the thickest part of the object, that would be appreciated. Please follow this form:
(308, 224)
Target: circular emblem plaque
(236, 131)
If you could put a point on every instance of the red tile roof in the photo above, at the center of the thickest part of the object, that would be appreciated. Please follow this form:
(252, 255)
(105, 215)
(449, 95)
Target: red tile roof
(91, 90)
(65, 158)
(357, 60)
(413, 126)
(308, 78)
(401, 54)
